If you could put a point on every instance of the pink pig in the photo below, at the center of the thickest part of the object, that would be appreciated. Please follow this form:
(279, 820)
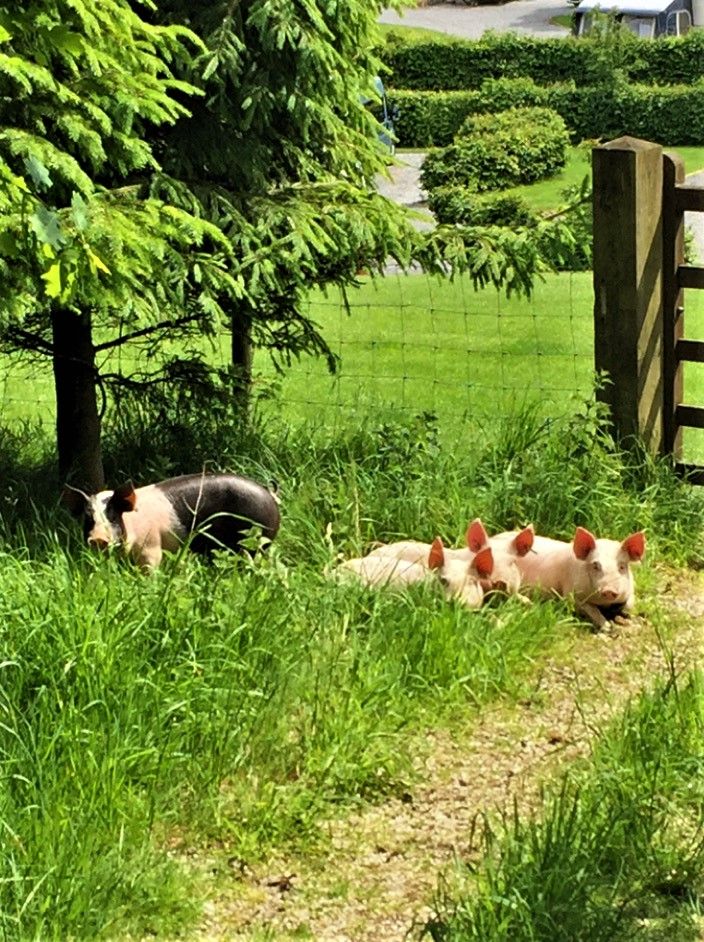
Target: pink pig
(505, 575)
(597, 572)
(461, 579)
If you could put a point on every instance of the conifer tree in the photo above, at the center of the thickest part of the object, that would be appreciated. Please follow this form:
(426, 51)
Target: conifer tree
(83, 246)
(281, 153)
(175, 167)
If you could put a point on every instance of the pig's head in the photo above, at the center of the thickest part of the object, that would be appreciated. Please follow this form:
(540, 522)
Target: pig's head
(102, 513)
(505, 575)
(461, 580)
(608, 566)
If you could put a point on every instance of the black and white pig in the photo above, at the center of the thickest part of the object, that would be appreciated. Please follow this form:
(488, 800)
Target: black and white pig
(211, 511)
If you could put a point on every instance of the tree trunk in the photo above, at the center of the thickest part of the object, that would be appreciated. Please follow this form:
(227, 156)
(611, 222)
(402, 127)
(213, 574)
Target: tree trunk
(77, 418)
(242, 356)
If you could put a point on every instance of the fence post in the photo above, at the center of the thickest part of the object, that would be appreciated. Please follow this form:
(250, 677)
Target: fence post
(628, 265)
(673, 302)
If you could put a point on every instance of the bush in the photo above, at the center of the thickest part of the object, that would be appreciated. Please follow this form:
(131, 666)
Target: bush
(672, 115)
(458, 204)
(498, 151)
(502, 93)
(429, 119)
(465, 64)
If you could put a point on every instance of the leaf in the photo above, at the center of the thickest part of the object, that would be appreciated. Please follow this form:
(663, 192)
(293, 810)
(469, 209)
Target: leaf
(46, 226)
(66, 40)
(52, 277)
(210, 67)
(38, 172)
(97, 262)
(4, 35)
(79, 211)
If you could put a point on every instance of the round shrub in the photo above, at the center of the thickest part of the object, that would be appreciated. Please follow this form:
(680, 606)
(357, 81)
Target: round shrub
(457, 204)
(496, 151)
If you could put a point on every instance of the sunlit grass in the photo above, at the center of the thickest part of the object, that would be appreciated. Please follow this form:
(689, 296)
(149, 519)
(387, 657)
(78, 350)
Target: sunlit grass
(412, 344)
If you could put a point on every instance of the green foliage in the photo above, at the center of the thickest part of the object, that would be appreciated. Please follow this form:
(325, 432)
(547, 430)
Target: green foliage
(618, 847)
(77, 103)
(497, 151)
(465, 64)
(502, 93)
(673, 115)
(281, 153)
(576, 213)
(234, 704)
(264, 188)
(463, 205)
(429, 119)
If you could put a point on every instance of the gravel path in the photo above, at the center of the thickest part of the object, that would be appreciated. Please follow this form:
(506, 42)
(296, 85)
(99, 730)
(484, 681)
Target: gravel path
(531, 17)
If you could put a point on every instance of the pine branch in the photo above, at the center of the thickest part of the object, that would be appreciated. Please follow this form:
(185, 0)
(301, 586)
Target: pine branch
(146, 331)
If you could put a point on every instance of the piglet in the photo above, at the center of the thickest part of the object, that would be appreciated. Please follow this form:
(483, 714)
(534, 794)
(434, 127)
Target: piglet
(211, 511)
(461, 579)
(505, 575)
(597, 572)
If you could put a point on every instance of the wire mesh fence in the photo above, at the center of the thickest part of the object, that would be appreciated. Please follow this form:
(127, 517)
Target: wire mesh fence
(412, 344)
(406, 344)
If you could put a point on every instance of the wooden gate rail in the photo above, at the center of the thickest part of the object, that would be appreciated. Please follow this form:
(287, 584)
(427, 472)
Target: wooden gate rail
(678, 198)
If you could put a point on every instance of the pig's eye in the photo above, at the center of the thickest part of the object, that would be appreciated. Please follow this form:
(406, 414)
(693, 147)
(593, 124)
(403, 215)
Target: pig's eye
(622, 567)
(444, 581)
(596, 566)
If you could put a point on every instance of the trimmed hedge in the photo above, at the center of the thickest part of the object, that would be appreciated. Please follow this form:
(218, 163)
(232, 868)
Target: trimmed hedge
(465, 64)
(500, 150)
(672, 115)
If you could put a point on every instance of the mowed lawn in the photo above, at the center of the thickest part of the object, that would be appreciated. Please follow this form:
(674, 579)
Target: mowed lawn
(412, 344)
(422, 344)
(548, 194)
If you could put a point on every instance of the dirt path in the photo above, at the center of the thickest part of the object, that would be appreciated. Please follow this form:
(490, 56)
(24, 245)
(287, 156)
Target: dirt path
(377, 877)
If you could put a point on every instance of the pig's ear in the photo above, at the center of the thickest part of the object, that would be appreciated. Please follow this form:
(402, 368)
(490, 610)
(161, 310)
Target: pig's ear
(73, 500)
(436, 557)
(583, 543)
(634, 545)
(124, 498)
(523, 541)
(483, 562)
(476, 535)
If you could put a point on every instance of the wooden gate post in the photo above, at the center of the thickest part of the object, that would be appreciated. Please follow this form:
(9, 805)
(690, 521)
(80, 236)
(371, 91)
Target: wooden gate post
(673, 303)
(628, 265)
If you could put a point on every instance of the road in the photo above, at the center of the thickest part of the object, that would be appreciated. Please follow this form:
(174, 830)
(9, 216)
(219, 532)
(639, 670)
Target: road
(531, 17)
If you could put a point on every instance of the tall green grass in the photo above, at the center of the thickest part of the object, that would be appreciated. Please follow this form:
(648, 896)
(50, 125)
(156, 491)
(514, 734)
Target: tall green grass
(237, 702)
(618, 850)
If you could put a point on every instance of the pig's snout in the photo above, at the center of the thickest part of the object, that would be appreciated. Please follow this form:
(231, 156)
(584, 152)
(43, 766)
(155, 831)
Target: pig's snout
(98, 542)
(610, 595)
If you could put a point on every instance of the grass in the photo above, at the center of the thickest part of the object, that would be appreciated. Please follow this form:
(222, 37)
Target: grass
(238, 704)
(548, 194)
(415, 344)
(412, 344)
(618, 851)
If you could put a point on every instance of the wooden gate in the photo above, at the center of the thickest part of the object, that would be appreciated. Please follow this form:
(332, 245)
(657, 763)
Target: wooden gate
(640, 198)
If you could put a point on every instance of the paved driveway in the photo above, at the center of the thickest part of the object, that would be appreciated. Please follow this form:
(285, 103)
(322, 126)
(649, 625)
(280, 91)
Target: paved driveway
(531, 17)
